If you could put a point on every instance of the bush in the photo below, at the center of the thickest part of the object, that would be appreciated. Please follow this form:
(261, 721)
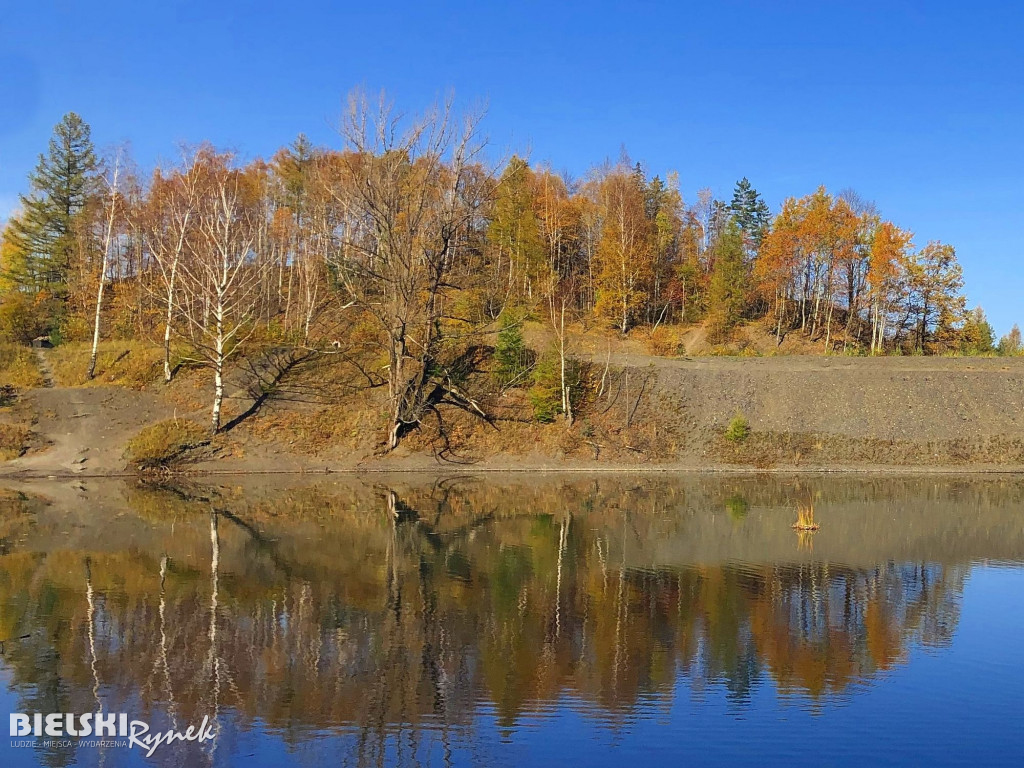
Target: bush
(738, 429)
(165, 445)
(663, 341)
(19, 318)
(546, 392)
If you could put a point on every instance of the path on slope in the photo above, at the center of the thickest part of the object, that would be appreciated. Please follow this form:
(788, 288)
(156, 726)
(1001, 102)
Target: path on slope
(83, 430)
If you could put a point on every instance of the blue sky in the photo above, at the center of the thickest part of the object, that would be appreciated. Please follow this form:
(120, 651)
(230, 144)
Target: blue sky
(918, 106)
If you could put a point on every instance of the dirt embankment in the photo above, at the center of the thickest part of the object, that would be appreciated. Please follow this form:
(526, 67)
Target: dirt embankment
(804, 413)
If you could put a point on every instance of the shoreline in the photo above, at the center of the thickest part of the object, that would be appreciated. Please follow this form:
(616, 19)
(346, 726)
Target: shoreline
(441, 470)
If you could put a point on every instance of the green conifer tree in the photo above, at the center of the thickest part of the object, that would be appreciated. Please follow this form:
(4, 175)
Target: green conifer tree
(750, 211)
(61, 184)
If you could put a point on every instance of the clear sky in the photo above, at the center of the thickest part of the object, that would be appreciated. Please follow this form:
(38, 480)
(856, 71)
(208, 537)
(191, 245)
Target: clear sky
(918, 106)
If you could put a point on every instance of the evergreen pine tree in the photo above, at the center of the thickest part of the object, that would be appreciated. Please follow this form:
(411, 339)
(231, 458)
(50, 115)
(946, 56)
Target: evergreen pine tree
(511, 353)
(750, 211)
(61, 184)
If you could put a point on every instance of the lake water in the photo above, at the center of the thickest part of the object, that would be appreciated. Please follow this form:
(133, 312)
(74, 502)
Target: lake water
(521, 620)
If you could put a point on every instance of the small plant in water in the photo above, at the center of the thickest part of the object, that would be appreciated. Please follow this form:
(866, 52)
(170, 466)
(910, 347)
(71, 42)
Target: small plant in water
(805, 517)
(738, 429)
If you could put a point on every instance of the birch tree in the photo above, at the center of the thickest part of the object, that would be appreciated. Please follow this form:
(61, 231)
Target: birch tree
(173, 199)
(108, 235)
(221, 280)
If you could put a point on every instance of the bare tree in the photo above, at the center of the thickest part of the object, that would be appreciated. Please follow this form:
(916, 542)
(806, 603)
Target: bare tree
(408, 205)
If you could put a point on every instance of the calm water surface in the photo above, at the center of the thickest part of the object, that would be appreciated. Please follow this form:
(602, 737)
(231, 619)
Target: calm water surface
(522, 621)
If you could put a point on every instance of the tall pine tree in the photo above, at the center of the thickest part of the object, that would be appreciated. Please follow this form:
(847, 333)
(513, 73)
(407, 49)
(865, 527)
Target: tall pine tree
(61, 184)
(750, 211)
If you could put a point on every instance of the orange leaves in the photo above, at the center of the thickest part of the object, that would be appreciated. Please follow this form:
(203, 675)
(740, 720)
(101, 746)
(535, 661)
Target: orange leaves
(889, 249)
(814, 231)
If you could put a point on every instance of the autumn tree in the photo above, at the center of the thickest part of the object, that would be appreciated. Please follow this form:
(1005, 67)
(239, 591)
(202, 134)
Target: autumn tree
(1011, 344)
(727, 296)
(663, 208)
(168, 223)
(935, 285)
(888, 259)
(514, 232)
(222, 275)
(976, 335)
(802, 258)
(409, 207)
(624, 250)
(107, 240)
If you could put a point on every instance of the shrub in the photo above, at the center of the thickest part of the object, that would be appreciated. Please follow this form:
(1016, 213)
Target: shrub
(19, 318)
(546, 392)
(165, 444)
(663, 341)
(738, 429)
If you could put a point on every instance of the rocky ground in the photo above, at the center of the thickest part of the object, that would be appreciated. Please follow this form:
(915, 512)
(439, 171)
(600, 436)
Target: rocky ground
(804, 412)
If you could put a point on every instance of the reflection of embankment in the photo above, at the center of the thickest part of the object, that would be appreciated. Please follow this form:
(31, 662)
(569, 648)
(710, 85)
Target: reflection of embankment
(347, 604)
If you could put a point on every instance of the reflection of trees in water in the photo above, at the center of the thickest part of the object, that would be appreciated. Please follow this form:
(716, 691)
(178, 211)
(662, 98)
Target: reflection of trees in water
(313, 610)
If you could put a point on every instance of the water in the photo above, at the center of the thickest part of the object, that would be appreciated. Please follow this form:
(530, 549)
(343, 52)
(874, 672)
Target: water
(521, 620)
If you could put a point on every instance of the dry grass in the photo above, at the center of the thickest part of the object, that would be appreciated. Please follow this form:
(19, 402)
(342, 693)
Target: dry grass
(311, 432)
(19, 367)
(129, 364)
(165, 445)
(805, 517)
(14, 441)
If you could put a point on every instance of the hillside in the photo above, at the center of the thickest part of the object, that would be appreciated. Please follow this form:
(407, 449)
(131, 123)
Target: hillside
(804, 412)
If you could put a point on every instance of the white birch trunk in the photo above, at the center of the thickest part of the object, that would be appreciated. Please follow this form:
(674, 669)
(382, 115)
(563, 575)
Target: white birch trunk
(103, 269)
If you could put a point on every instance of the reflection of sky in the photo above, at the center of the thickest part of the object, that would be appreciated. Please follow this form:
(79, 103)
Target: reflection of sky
(957, 705)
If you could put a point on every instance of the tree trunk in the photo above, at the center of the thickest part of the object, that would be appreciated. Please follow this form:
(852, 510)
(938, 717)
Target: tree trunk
(218, 374)
(168, 320)
(103, 271)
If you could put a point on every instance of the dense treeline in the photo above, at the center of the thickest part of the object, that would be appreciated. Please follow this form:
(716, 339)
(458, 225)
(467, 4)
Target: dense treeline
(404, 249)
